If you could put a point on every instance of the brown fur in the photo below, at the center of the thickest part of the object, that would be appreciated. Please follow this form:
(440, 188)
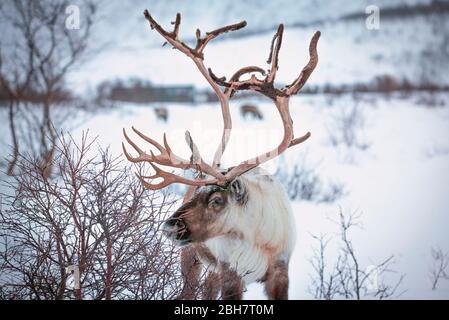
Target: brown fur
(196, 214)
(251, 110)
(276, 281)
(191, 271)
(195, 222)
(161, 113)
(232, 286)
(210, 288)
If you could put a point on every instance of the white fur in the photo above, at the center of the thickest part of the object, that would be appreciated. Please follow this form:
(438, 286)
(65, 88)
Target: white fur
(266, 223)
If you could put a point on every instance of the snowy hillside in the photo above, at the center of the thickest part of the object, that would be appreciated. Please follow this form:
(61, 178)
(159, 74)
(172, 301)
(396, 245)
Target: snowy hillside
(409, 46)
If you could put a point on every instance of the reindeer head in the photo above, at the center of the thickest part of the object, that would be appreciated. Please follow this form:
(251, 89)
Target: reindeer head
(207, 214)
(215, 197)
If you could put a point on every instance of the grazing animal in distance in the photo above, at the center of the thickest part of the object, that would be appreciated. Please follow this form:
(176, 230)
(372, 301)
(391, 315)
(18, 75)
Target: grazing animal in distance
(237, 220)
(250, 110)
(161, 113)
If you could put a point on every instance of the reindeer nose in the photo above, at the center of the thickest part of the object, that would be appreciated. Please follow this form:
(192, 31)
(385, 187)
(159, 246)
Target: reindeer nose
(173, 226)
(170, 222)
(169, 228)
(176, 230)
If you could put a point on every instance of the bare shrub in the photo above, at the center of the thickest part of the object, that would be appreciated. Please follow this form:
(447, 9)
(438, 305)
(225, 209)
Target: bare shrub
(431, 100)
(346, 128)
(439, 269)
(346, 278)
(94, 217)
(302, 182)
(35, 59)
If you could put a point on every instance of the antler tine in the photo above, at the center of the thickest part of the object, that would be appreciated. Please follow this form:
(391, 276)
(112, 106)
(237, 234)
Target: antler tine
(172, 37)
(197, 161)
(282, 106)
(236, 77)
(299, 140)
(149, 140)
(168, 158)
(143, 156)
(255, 84)
(264, 86)
(280, 97)
(202, 42)
(176, 23)
(287, 142)
(165, 158)
(274, 54)
(196, 54)
(308, 69)
(128, 156)
(170, 178)
(196, 158)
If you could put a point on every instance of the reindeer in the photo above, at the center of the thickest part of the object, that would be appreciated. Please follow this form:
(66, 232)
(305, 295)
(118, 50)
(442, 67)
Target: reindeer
(250, 110)
(161, 113)
(237, 220)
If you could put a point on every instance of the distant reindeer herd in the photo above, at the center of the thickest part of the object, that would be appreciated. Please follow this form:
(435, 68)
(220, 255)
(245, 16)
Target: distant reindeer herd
(246, 110)
(237, 221)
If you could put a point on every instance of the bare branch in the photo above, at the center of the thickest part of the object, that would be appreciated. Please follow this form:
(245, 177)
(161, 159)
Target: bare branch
(346, 278)
(439, 269)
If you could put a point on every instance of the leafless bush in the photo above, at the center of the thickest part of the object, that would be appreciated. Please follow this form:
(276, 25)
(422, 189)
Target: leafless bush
(302, 182)
(346, 128)
(431, 100)
(346, 278)
(93, 217)
(35, 58)
(439, 269)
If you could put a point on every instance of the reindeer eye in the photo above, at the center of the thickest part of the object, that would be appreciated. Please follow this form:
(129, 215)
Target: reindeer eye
(215, 200)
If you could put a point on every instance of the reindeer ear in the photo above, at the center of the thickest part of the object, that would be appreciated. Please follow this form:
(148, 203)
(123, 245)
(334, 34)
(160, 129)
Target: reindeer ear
(238, 190)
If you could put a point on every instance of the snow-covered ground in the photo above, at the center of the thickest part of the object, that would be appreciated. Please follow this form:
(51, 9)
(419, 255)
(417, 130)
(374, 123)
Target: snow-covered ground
(400, 182)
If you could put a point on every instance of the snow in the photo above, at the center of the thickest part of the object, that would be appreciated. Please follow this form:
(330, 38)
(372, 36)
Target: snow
(399, 183)
(409, 48)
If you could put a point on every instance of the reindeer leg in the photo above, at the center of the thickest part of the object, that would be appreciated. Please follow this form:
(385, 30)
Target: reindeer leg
(211, 290)
(191, 270)
(276, 284)
(232, 286)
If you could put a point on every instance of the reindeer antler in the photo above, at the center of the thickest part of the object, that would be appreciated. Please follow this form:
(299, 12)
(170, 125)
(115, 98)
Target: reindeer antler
(168, 158)
(196, 54)
(280, 97)
(264, 86)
